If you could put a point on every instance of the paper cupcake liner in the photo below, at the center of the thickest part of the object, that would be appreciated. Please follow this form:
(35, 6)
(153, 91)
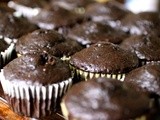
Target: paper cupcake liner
(34, 101)
(6, 55)
(65, 58)
(145, 62)
(89, 75)
(22, 10)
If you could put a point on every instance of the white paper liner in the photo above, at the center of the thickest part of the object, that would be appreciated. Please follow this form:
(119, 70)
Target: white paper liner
(145, 62)
(23, 10)
(38, 100)
(6, 55)
(89, 75)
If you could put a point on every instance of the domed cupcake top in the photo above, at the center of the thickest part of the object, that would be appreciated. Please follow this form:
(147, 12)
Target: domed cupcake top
(92, 32)
(46, 41)
(36, 69)
(104, 99)
(13, 27)
(107, 11)
(39, 40)
(104, 57)
(145, 78)
(145, 46)
(56, 17)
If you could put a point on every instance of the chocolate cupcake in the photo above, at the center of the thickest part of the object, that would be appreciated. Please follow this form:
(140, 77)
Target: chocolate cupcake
(34, 84)
(103, 59)
(27, 8)
(47, 41)
(137, 25)
(89, 33)
(12, 27)
(56, 18)
(104, 99)
(146, 47)
(109, 12)
(147, 80)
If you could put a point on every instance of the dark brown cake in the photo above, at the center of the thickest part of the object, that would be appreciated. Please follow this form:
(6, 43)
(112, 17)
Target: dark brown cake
(47, 41)
(138, 24)
(13, 28)
(145, 78)
(109, 12)
(104, 99)
(56, 18)
(146, 47)
(36, 84)
(89, 33)
(104, 58)
(5, 9)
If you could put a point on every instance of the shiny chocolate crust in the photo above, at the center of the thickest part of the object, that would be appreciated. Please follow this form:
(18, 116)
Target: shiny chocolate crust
(107, 11)
(37, 69)
(39, 41)
(145, 78)
(13, 27)
(104, 57)
(56, 17)
(104, 99)
(47, 41)
(135, 24)
(146, 47)
(92, 32)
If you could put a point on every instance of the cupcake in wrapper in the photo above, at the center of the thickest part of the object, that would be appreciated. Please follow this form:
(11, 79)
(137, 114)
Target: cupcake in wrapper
(146, 47)
(89, 33)
(147, 80)
(12, 27)
(47, 41)
(6, 51)
(103, 59)
(104, 99)
(35, 87)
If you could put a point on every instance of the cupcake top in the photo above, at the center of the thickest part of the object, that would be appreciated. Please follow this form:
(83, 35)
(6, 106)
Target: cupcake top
(89, 33)
(137, 24)
(145, 78)
(107, 11)
(103, 99)
(36, 69)
(145, 46)
(13, 27)
(55, 17)
(47, 41)
(104, 57)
